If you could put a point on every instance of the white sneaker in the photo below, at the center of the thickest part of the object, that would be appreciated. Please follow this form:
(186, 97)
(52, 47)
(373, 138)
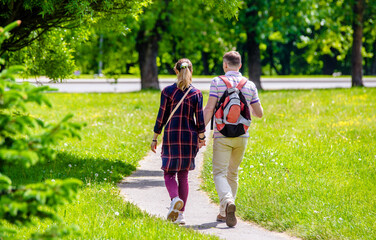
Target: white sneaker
(176, 205)
(180, 220)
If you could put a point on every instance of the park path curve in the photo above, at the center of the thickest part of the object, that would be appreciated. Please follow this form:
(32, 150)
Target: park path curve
(145, 188)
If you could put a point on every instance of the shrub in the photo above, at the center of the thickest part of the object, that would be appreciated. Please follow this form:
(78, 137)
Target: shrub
(25, 141)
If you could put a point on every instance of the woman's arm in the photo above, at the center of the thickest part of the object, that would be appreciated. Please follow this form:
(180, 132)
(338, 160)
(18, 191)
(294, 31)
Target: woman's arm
(162, 114)
(161, 119)
(200, 121)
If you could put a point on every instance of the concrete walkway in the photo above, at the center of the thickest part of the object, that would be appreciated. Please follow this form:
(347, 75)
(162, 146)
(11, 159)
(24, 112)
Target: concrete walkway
(145, 188)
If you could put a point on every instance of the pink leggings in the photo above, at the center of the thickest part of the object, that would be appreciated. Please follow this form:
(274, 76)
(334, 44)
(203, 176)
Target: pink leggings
(173, 189)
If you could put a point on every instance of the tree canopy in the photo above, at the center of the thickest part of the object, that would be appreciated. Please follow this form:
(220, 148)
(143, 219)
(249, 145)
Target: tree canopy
(275, 37)
(39, 17)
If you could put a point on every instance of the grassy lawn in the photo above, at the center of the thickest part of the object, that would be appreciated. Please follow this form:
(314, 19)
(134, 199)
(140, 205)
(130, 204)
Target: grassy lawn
(309, 168)
(118, 133)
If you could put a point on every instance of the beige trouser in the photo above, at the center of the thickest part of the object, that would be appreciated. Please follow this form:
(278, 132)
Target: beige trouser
(227, 156)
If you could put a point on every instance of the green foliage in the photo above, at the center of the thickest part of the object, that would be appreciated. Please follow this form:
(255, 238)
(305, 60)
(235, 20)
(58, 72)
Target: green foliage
(24, 142)
(46, 15)
(185, 33)
(309, 165)
(50, 55)
(229, 9)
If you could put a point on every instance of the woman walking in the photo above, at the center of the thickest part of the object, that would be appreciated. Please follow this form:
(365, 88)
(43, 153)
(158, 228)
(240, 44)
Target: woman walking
(181, 113)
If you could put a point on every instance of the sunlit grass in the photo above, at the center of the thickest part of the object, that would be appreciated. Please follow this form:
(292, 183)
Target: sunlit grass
(309, 168)
(118, 133)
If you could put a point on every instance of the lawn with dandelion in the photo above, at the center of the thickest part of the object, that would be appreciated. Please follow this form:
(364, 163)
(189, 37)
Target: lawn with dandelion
(117, 136)
(309, 168)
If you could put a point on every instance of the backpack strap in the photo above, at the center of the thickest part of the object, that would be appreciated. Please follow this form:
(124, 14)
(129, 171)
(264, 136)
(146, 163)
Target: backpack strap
(226, 81)
(242, 83)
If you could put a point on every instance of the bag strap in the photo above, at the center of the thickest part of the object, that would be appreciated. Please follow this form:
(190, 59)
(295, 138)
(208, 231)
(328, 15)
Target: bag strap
(226, 81)
(241, 83)
(176, 108)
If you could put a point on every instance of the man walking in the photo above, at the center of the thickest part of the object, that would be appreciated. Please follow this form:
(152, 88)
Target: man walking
(228, 152)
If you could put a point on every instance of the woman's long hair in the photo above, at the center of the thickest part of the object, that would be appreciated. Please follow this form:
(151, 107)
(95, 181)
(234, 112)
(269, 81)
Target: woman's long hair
(184, 71)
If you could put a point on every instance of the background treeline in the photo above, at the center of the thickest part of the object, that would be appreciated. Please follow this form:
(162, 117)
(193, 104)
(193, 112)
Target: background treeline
(275, 37)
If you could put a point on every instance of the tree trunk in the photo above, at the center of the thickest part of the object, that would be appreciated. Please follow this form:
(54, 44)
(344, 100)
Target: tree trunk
(254, 59)
(169, 69)
(373, 66)
(271, 57)
(147, 48)
(286, 57)
(205, 62)
(330, 64)
(356, 57)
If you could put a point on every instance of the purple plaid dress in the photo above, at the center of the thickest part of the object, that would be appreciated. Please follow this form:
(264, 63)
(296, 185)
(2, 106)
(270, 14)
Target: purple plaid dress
(180, 139)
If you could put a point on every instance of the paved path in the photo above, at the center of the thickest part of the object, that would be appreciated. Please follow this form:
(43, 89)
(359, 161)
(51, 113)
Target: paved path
(131, 85)
(146, 189)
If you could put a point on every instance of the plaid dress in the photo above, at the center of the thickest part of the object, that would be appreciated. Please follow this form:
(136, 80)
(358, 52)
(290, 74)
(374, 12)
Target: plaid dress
(180, 139)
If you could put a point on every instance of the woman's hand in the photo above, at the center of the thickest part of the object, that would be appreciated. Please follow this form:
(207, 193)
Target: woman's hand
(201, 143)
(201, 140)
(153, 145)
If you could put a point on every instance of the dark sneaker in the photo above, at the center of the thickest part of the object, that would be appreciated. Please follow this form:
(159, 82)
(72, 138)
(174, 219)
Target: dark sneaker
(220, 218)
(230, 214)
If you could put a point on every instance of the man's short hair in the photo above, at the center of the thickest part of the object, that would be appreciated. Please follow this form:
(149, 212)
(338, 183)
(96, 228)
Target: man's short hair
(232, 58)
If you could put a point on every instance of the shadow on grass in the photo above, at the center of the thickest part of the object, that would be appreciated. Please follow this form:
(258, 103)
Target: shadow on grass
(66, 165)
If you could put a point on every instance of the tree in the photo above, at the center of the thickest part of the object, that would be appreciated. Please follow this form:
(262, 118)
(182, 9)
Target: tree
(152, 24)
(25, 141)
(356, 58)
(50, 55)
(38, 17)
(266, 22)
(158, 21)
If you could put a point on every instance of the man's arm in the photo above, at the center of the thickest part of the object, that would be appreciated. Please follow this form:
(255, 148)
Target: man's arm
(257, 110)
(209, 109)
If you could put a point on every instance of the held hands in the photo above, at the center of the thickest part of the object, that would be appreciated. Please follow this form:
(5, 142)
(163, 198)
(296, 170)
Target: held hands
(201, 143)
(201, 140)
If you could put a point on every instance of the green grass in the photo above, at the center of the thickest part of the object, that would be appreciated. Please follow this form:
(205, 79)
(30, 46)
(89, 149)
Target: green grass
(118, 133)
(309, 168)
